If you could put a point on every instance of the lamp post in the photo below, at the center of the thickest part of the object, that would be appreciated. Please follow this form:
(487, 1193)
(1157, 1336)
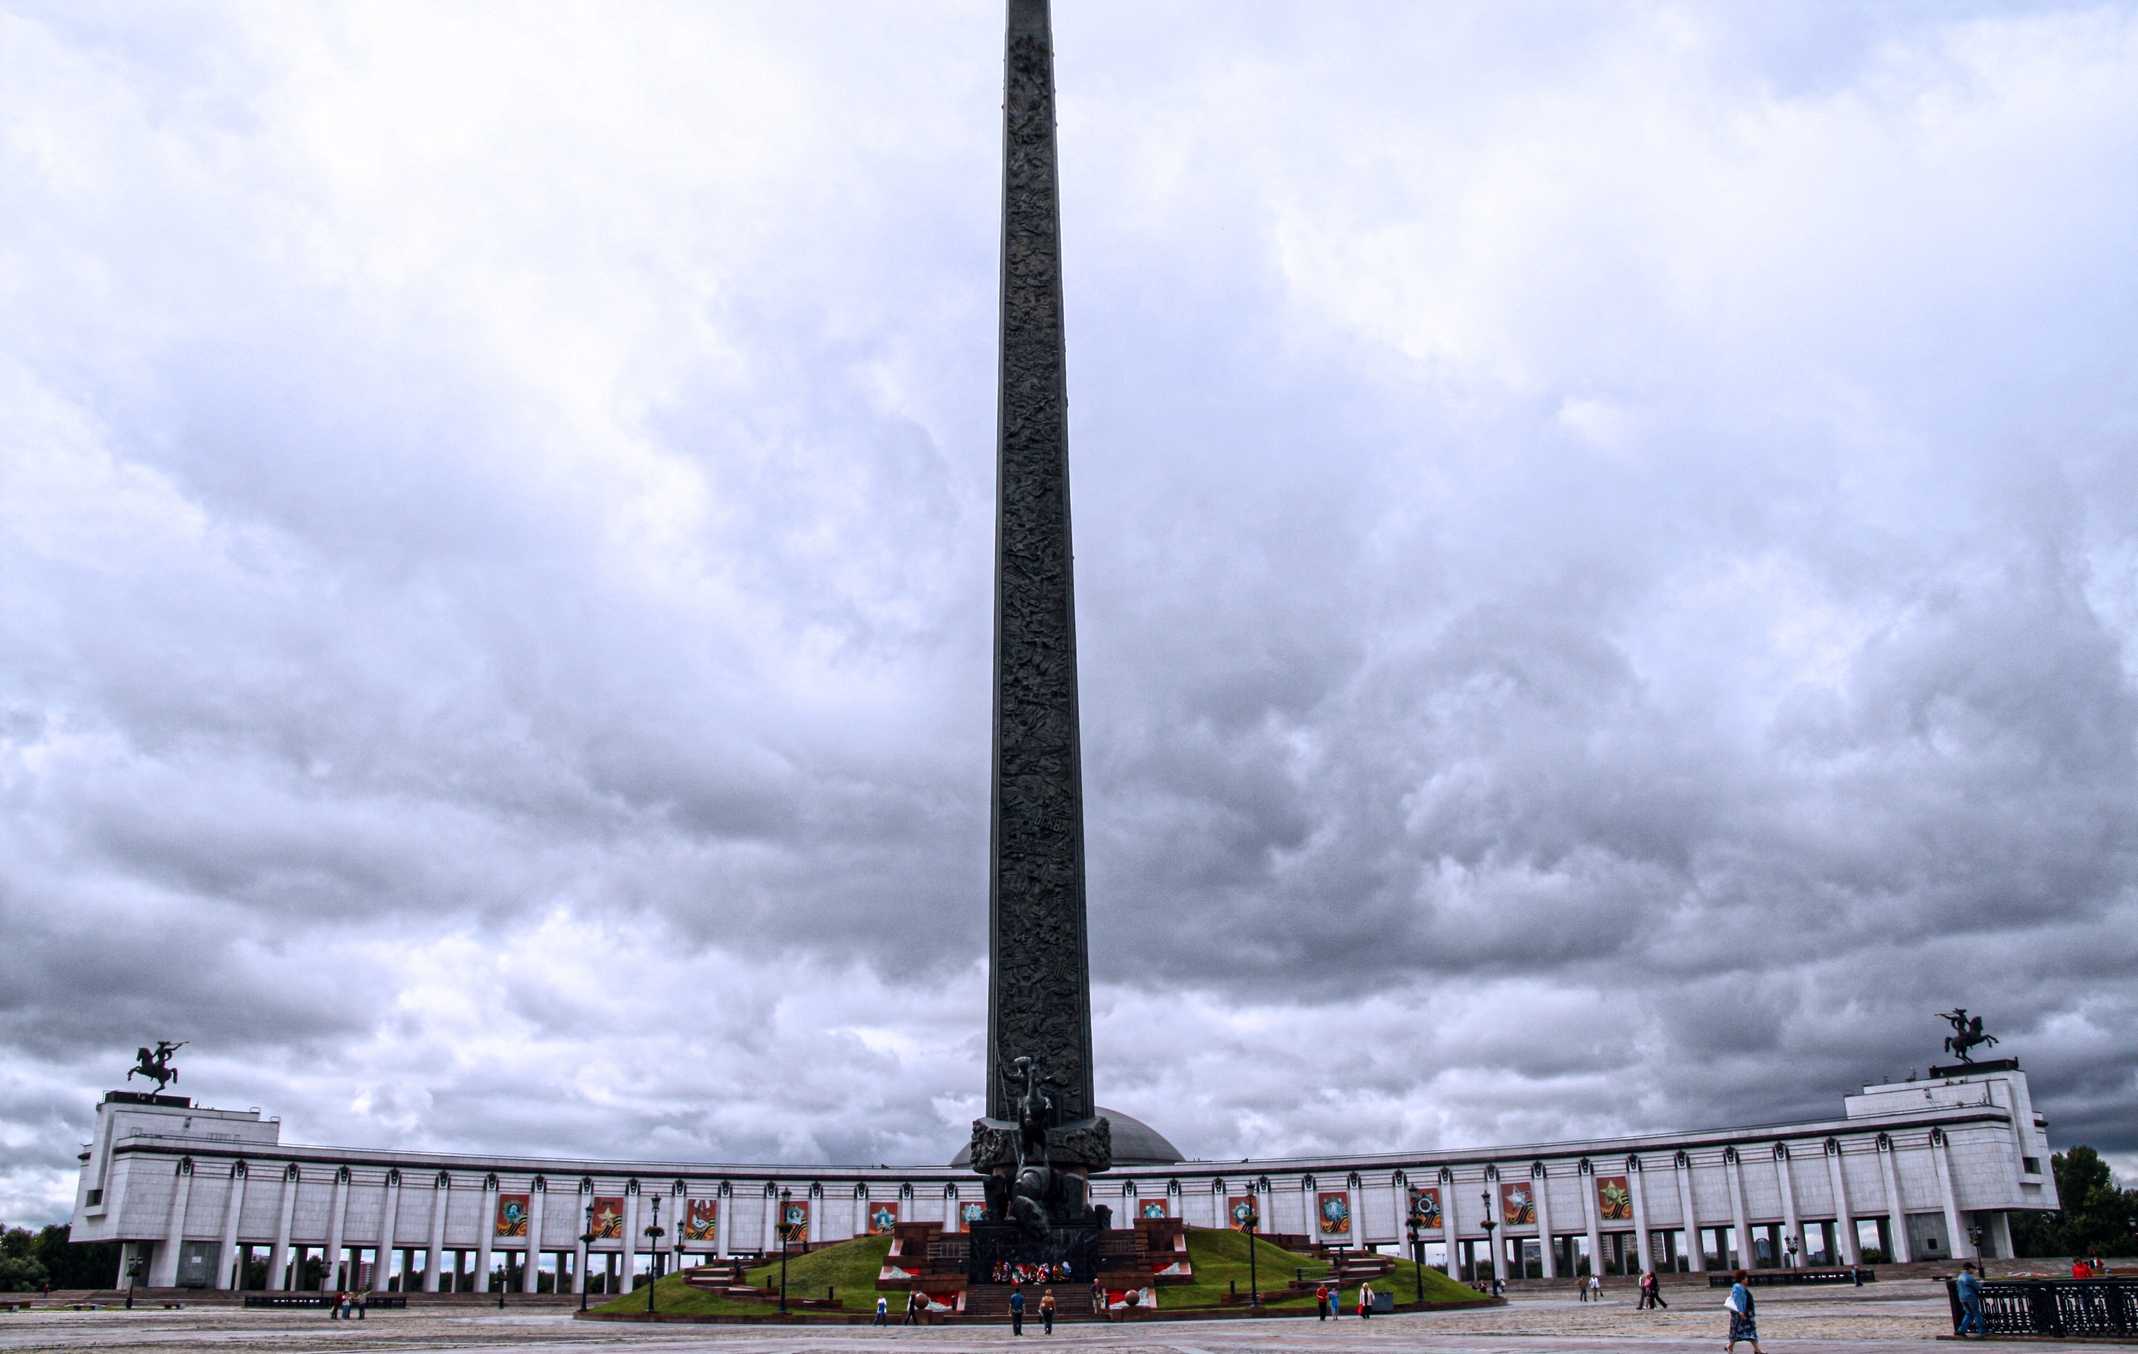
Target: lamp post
(1974, 1239)
(1248, 1220)
(1494, 1255)
(133, 1276)
(1417, 1250)
(1791, 1246)
(653, 1254)
(586, 1255)
(786, 1230)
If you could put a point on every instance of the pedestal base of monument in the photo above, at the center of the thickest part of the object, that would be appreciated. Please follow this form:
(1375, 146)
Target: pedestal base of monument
(928, 1260)
(175, 1102)
(1973, 1069)
(1062, 1254)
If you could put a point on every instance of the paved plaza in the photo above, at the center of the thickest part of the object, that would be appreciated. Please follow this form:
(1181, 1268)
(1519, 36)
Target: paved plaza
(1860, 1323)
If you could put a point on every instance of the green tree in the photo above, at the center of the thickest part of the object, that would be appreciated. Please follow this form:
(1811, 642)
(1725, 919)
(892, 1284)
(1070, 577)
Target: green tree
(2096, 1216)
(89, 1264)
(20, 1270)
(21, 1274)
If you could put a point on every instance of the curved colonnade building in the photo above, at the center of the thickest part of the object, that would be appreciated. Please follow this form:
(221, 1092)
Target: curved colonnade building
(1923, 1170)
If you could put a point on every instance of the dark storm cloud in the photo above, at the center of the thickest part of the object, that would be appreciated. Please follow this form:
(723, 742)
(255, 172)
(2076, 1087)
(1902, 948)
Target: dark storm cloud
(1606, 561)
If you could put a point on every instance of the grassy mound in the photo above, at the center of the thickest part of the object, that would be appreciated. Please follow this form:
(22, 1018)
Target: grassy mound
(849, 1268)
(1219, 1258)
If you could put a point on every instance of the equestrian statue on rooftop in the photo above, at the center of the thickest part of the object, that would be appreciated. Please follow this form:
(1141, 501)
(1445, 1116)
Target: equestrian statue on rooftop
(156, 1066)
(1966, 1033)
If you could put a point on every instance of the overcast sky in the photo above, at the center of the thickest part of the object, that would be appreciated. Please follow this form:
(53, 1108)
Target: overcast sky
(1607, 548)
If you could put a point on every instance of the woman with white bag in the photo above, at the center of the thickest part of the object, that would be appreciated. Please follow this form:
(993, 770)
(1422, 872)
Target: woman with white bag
(1739, 1304)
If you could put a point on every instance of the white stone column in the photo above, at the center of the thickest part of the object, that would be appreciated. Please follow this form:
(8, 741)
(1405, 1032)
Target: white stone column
(279, 1257)
(531, 1261)
(1495, 1237)
(1447, 1229)
(1844, 1221)
(628, 1280)
(1733, 1172)
(676, 1243)
(1963, 1247)
(486, 1233)
(1999, 1226)
(1643, 1245)
(389, 1218)
(336, 1217)
(1792, 1225)
(433, 1257)
(1590, 1221)
(163, 1270)
(1695, 1250)
(1541, 1185)
(1355, 1194)
(1896, 1214)
(226, 1254)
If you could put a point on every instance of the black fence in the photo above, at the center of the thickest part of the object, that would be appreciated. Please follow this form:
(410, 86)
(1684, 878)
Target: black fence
(1767, 1278)
(2060, 1307)
(316, 1300)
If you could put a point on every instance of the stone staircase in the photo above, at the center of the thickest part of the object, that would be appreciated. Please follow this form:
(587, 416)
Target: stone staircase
(725, 1277)
(991, 1302)
(1351, 1266)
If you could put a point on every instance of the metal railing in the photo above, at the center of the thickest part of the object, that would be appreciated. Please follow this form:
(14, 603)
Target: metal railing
(1760, 1278)
(2058, 1307)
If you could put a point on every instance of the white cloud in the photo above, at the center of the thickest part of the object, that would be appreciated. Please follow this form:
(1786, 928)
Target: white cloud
(495, 526)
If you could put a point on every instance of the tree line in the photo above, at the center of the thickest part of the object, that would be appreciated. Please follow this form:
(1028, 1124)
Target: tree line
(30, 1261)
(2097, 1217)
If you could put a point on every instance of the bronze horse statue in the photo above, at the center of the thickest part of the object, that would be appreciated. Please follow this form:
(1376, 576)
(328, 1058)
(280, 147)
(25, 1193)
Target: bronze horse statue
(156, 1066)
(1966, 1034)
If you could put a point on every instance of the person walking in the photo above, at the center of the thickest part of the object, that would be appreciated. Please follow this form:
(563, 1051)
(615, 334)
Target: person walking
(1336, 1299)
(1017, 1311)
(916, 1303)
(1740, 1305)
(1046, 1312)
(1365, 1301)
(1581, 1289)
(1098, 1298)
(883, 1309)
(1595, 1287)
(1321, 1302)
(1968, 1288)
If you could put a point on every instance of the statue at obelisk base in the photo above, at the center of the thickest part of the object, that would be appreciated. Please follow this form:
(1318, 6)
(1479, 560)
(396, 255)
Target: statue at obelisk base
(1039, 1209)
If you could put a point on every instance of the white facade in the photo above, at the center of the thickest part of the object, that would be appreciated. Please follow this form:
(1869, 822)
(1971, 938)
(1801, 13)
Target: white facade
(1920, 1164)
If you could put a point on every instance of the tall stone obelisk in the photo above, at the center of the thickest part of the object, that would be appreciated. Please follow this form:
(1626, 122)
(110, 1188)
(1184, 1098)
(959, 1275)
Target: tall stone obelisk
(1039, 991)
